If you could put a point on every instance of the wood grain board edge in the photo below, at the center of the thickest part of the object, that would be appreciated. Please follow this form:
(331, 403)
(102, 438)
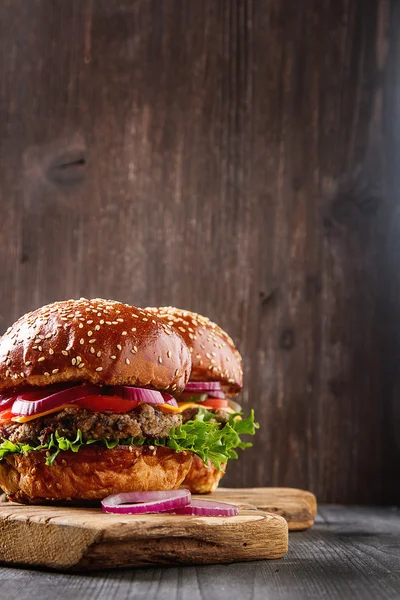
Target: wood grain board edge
(298, 507)
(80, 539)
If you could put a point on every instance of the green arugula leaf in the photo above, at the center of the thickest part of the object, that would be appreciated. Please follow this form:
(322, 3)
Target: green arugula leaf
(203, 436)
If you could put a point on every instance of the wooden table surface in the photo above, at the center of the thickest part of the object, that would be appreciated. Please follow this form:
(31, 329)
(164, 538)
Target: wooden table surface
(350, 553)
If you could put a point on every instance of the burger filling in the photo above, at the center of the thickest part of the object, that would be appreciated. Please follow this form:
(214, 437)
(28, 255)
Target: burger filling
(66, 417)
(145, 421)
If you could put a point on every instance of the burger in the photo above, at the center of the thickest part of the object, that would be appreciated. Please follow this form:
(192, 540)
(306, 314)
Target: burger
(87, 405)
(215, 379)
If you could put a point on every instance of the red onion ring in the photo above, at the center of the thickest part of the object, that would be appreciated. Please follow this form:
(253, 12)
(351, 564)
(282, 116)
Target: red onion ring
(217, 395)
(145, 502)
(142, 395)
(208, 508)
(24, 406)
(206, 386)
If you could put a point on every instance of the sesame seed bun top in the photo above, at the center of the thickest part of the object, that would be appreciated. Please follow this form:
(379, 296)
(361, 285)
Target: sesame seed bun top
(214, 355)
(98, 341)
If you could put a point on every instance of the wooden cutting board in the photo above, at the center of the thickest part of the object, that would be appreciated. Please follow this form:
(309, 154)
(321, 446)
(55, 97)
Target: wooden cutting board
(86, 538)
(298, 507)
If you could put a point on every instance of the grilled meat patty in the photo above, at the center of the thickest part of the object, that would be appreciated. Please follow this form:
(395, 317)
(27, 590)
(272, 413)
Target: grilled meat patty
(220, 416)
(144, 421)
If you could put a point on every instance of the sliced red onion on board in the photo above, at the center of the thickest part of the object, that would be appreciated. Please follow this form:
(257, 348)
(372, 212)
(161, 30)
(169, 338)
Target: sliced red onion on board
(206, 386)
(208, 508)
(145, 502)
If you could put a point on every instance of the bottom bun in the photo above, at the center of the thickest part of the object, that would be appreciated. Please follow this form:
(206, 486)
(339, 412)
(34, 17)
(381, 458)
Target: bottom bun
(202, 478)
(92, 473)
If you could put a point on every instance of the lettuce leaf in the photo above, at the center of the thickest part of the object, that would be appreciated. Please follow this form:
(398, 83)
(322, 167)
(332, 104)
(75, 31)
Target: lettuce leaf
(202, 436)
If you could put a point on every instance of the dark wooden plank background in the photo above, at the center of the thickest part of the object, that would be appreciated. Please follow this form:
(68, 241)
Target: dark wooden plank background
(227, 156)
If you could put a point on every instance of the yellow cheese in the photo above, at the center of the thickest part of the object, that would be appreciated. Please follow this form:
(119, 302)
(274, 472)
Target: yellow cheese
(25, 419)
(177, 409)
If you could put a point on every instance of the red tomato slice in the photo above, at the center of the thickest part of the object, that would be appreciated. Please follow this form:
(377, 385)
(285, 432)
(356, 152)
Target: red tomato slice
(215, 403)
(6, 415)
(115, 404)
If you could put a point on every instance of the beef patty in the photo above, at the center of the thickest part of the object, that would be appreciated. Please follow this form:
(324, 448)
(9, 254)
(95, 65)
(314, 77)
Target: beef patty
(144, 421)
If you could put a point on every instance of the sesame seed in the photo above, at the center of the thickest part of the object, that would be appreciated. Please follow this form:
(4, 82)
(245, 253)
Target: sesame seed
(124, 333)
(99, 369)
(134, 348)
(90, 333)
(78, 360)
(54, 371)
(98, 354)
(92, 341)
(48, 336)
(80, 325)
(22, 374)
(40, 348)
(47, 374)
(89, 322)
(169, 353)
(7, 373)
(154, 321)
(92, 350)
(82, 341)
(73, 361)
(176, 372)
(133, 329)
(51, 351)
(81, 365)
(35, 347)
(42, 337)
(8, 362)
(135, 316)
(128, 362)
(41, 359)
(64, 352)
(113, 357)
(120, 320)
(198, 355)
(145, 319)
(28, 362)
(108, 322)
(182, 329)
(119, 346)
(101, 321)
(160, 360)
(97, 327)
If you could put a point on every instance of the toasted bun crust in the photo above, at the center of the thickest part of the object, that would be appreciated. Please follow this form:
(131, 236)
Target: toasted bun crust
(99, 341)
(92, 473)
(202, 478)
(214, 355)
